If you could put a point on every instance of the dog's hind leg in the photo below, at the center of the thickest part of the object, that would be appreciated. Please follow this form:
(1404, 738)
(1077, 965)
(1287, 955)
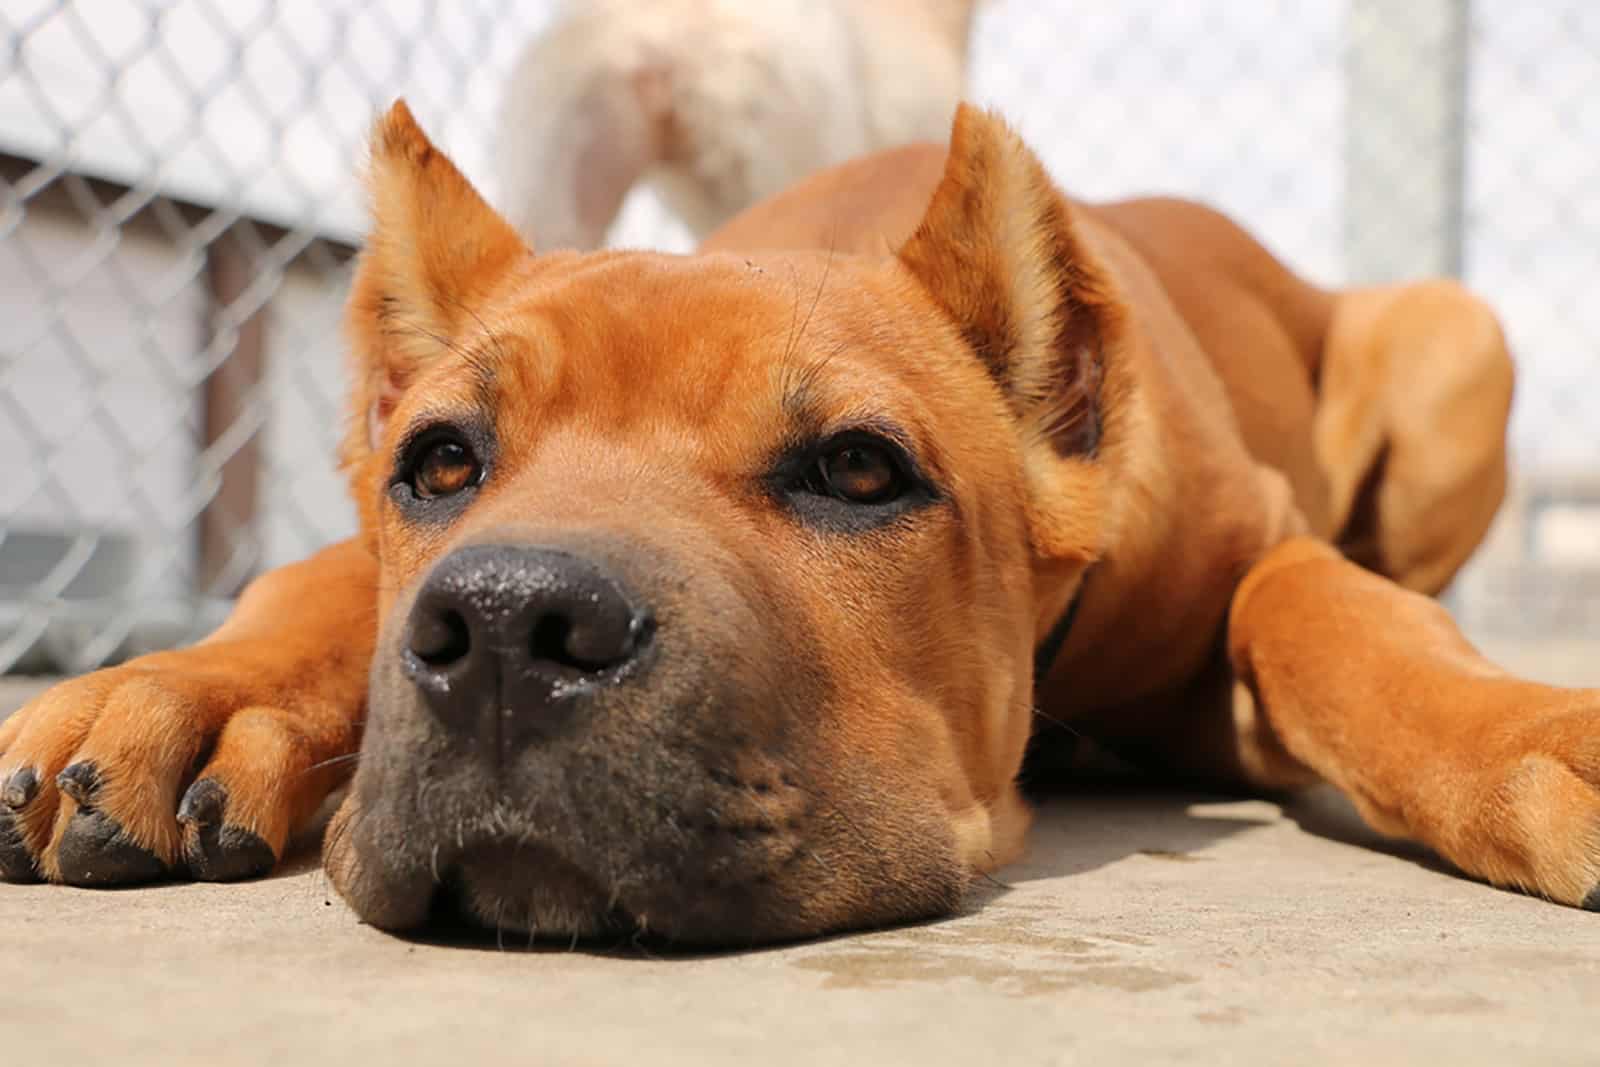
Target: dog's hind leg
(200, 761)
(1412, 403)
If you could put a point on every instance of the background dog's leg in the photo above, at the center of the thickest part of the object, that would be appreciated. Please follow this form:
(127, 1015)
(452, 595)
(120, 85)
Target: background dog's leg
(1374, 688)
(585, 116)
(200, 761)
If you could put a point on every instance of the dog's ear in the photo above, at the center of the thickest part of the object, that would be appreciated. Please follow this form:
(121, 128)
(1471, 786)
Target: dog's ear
(436, 249)
(997, 249)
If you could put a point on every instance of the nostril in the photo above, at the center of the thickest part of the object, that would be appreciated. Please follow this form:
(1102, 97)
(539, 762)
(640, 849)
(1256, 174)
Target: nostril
(549, 641)
(440, 638)
(589, 644)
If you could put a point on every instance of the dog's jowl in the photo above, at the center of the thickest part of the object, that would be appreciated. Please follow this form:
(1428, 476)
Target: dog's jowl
(718, 596)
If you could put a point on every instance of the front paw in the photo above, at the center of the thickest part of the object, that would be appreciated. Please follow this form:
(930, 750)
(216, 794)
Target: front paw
(183, 764)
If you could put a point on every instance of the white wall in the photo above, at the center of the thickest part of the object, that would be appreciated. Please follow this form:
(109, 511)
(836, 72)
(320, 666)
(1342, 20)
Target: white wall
(95, 424)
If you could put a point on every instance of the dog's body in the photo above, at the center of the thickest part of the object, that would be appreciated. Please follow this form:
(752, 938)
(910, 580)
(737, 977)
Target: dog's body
(1372, 419)
(710, 591)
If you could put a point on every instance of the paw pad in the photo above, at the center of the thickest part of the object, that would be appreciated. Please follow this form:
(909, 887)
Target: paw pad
(94, 851)
(16, 862)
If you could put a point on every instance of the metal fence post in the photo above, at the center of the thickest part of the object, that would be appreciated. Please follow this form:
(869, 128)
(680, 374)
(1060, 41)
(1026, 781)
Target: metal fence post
(1405, 130)
(1405, 145)
(231, 445)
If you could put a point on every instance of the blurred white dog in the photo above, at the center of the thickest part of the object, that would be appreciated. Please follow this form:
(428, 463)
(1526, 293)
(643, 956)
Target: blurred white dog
(718, 102)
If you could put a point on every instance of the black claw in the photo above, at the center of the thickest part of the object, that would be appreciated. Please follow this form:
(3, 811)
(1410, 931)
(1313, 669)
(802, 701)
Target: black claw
(95, 851)
(213, 850)
(20, 788)
(1592, 901)
(16, 862)
(80, 781)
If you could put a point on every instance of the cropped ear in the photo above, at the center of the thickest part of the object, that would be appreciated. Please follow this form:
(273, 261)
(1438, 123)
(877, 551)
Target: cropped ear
(436, 249)
(998, 251)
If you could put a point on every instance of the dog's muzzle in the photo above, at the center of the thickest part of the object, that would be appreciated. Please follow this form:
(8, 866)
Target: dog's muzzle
(599, 735)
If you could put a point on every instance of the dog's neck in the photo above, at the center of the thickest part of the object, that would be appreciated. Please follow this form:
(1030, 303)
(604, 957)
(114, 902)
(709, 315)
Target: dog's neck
(1044, 657)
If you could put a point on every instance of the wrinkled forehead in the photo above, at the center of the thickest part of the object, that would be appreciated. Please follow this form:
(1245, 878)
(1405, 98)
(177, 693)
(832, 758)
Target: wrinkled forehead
(798, 342)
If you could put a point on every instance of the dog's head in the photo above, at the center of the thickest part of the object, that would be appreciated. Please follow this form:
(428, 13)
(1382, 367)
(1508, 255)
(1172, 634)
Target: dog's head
(711, 585)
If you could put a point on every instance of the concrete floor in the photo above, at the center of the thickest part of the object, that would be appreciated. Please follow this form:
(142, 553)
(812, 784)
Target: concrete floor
(1144, 927)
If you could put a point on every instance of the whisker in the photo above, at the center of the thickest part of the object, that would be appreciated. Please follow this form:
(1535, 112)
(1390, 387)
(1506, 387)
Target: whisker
(492, 336)
(816, 298)
(1067, 726)
(991, 879)
(334, 761)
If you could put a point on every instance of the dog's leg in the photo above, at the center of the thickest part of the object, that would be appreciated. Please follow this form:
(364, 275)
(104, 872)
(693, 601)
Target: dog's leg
(1412, 401)
(201, 761)
(1372, 686)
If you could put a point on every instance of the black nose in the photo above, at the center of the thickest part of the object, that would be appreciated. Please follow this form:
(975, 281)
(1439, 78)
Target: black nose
(501, 629)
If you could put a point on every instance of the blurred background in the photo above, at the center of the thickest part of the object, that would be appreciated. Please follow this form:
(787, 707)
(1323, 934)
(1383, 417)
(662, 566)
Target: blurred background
(179, 205)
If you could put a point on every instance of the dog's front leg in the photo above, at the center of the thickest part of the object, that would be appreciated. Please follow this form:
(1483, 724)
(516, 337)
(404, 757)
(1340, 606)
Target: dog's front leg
(198, 762)
(1374, 688)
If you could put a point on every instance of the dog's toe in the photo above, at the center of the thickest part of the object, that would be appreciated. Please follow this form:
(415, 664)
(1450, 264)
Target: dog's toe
(95, 851)
(214, 850)
(1592, 901)
(16, 859)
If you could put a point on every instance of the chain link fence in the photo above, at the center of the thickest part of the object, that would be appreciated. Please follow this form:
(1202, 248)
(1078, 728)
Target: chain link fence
(179, 207)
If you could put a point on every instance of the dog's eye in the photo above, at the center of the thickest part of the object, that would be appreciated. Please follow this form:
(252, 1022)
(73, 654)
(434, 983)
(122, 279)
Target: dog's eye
(855, 481)
(860, 472)
(444, 467)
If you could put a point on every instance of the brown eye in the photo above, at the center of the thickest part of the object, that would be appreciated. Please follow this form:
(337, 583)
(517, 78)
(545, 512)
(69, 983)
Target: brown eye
(860, 473)
(444, 469)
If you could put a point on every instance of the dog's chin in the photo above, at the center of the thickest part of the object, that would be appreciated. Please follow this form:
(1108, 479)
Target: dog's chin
(533, 893)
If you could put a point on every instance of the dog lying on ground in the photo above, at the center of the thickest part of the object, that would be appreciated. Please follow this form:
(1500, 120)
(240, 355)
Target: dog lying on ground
(717, 103)
(719, 596)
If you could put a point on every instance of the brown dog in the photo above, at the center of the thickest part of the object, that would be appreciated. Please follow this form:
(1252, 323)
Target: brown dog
(705, 595)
